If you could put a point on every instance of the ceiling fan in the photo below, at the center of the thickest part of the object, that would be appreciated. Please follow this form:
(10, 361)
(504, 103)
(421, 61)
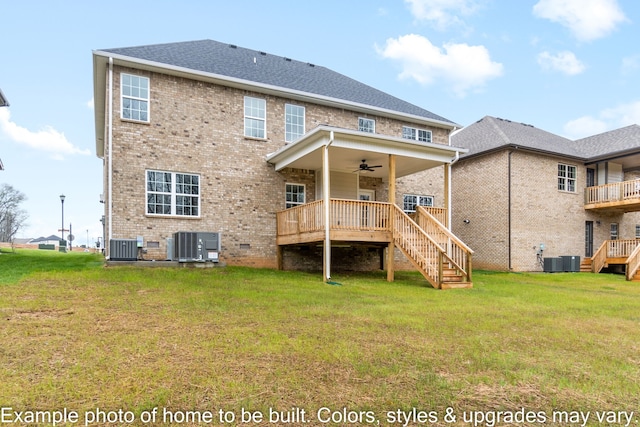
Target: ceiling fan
(365, 167)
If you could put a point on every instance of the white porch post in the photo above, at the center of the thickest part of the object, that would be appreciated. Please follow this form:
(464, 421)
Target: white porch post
(447, 193)
(392, 200)
(327, 211)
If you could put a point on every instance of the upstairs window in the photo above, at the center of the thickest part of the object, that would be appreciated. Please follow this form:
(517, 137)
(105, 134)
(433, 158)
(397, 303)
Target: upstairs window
(294, 195)
(175, 194)
(567, 178)
(366, 125)
(293, 122)
(411, 201)
(135, 97)
(255, 117)
(421, 135)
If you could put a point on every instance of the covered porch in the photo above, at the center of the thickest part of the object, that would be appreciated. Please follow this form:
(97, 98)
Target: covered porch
(619, 196)
(334, 219)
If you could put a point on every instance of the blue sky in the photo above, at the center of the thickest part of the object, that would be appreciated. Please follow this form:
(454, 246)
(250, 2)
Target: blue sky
(571, 67)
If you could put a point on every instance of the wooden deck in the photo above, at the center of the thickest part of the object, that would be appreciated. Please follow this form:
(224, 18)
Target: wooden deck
(622, 252)
(440, 256)
(620, 197)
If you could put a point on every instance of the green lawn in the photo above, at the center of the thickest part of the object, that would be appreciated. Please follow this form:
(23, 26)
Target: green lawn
(79, 336)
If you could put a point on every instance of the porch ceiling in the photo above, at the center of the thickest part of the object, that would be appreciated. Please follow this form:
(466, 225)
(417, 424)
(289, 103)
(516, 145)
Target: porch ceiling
(349, 148)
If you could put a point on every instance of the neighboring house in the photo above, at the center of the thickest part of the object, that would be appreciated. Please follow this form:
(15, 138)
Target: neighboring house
(520, 189)
(3, 103)
(295, 165)
(51, 240)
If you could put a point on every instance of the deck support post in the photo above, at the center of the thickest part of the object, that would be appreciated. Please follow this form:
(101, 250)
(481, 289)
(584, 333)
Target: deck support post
(392, 200)
(326, 265)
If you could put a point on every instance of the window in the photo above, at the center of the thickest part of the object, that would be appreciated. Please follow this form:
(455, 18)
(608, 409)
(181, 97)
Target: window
(170, 193)
(637, 231)
(293, 122)
(294, 195)
(366, 125)
(411, 201)
(255, 114)
(614, 231)
(135, 97)
(421, 135)
(566, 178)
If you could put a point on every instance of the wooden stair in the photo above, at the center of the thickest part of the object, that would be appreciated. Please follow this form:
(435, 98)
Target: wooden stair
(443, 269)
(585, 265)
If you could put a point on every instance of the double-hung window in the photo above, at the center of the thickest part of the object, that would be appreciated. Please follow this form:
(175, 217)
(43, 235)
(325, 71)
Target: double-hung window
(411, 201)
(255, 117)
(567, 178)
(421, 135)
(175, 194)
(294, 195)
(293, 122)
(135, 97)
(366, 125)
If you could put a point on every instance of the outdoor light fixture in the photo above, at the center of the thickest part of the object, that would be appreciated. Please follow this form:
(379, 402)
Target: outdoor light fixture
(466, 221)
(62, 197)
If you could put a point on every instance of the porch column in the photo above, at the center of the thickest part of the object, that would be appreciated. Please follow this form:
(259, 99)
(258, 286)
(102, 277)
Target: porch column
(447, 194)
(326, 264)
(392, 200)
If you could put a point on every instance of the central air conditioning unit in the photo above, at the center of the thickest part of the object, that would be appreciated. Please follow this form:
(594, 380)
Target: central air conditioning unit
(123, 249)
(189, 246)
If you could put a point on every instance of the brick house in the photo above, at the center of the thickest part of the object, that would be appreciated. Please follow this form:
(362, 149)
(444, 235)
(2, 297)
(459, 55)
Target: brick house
(519, 188)
(295, 165)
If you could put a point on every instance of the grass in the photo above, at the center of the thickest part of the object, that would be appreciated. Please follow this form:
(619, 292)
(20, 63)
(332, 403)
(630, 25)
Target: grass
(80, 336)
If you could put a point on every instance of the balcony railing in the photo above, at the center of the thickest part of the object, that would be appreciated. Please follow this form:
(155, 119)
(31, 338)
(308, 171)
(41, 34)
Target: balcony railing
(619, 194)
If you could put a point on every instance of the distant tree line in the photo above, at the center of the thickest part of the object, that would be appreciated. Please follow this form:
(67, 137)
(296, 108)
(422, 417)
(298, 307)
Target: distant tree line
(12, 216)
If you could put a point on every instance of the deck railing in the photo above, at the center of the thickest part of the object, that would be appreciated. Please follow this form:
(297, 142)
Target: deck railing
(615, 192)
(614, 249)
(300, 219)
(633, 263)
(359, 215)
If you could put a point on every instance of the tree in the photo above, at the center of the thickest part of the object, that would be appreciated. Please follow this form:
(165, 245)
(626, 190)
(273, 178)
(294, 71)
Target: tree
(12, 216)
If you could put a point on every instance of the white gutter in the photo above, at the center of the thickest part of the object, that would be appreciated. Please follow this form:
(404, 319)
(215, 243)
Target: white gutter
(327, 208)
(110, 144)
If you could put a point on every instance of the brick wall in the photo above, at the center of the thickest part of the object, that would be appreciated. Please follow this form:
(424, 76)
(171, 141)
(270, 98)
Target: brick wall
(540, 213)
(198, 128)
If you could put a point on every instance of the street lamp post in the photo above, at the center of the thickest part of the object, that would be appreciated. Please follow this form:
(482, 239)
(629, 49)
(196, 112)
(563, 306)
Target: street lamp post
(62, 197)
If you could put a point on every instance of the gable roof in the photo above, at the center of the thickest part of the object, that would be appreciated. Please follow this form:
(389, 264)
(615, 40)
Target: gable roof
(231, 65)
(4, 102)
(491, 134)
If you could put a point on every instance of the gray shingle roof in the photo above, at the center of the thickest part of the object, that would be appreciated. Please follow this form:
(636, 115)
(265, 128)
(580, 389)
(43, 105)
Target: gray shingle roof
(492, 133)
(223, 59)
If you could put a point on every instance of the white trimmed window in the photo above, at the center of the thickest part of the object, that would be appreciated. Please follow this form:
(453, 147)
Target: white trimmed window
(175, 194)
(135, 97)
(421, 135)
(411, 201)
(293, 122)
(637, 231)
(294, 195)
(366, 125)
(614, 231)
(567, 178)
(255, 117)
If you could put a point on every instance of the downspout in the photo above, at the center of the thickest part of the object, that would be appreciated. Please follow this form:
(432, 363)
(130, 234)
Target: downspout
(110, 145)
(327, 208)
(509, 210)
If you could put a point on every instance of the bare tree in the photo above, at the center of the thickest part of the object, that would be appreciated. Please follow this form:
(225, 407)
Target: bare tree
(12, 216)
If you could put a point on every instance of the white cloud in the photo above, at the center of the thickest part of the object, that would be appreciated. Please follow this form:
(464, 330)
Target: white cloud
(48, 139)
(565, 62)
(607, 119)
(630, 64)
(461, 66)
(586, 19)
(442, 13)
(90, 104)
